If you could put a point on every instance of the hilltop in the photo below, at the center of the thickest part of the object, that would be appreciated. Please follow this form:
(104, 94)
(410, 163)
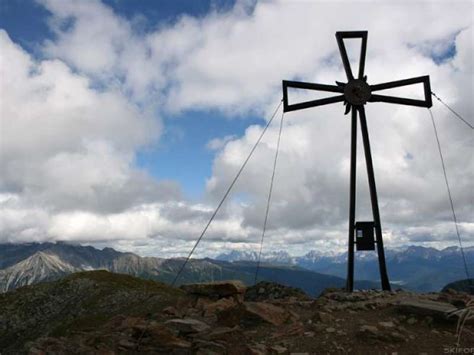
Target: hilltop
(101, 312)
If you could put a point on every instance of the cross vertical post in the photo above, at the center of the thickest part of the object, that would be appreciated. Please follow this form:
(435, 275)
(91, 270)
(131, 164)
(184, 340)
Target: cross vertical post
(355, 94)
(352, 203)
(374, 200)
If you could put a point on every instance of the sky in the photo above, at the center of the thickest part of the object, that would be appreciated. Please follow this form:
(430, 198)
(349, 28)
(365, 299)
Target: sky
(122, 123)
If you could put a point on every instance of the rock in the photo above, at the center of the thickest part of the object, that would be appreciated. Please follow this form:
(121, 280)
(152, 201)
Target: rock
(216, 290)
(171, 311)
(412, 320)
(266, 312)
(253, 313)
(428, 320)
(202, 302)
(387, 324)
(291, 330)
(330, 330)
(323, 317)
(272, 291)
(187, 325)
(224, 334)
(437, 310)
(368, 330)
(397, 337)
(218, 306)
(158, 335)
(278, 349)
(209, 347)
(126, 344)
(257, 349)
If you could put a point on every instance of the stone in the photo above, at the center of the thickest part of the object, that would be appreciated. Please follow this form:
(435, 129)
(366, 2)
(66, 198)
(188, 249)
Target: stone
(278, 349)
(219, 289)
(202, 302)
(209, 347)
(257, 349)
(171, 311)
(187, 325)
(435, 309)
(369, 330)
(387, 324)
(266, 312)
(158, 335)
(397, 337)
(223, 334)
(126, 344)
(323, 317)
(291, 330)
(253, 313)
(217, 306)
(330, 330)
(412, 321)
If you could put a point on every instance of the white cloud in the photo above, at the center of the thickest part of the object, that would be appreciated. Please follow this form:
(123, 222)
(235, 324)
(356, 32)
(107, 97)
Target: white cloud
(68, 148)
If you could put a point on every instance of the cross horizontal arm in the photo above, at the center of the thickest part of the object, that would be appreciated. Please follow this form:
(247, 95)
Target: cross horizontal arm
(397, 83)
(313, 103)
(310, 86)
(399, 100)
(425, 80)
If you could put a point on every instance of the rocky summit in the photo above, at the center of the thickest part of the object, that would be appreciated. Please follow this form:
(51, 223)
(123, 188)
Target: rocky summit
(99, 312)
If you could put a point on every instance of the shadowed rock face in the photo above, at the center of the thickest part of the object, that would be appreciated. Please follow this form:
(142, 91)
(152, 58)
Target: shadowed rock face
(102, 312)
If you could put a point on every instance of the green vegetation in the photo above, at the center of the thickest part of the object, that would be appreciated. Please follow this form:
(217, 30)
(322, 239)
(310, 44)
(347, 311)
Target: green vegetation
(79, 302)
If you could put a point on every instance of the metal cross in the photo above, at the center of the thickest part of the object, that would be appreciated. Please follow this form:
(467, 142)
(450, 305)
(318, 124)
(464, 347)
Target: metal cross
(355, 94)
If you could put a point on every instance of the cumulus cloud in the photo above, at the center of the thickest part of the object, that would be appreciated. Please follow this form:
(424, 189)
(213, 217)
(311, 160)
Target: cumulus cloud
(73, 122)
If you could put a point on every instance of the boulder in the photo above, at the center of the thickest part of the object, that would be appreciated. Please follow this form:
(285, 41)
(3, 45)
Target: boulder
(213, 308)
(224, 334)
(158, 335)
(265, 312)
(387, 325)
(437, 310)
(323, 317)
(216, 290)
(253, 313)
(369, 331)
(187, 325)
(273, 291)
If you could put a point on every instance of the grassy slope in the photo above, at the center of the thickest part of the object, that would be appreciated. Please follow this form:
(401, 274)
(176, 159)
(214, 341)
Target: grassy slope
(78, 302)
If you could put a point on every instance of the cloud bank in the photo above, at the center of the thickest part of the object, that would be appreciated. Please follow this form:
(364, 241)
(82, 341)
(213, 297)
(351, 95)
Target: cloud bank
(73, 121)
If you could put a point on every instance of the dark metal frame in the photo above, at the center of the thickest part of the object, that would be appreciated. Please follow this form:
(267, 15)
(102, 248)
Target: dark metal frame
(364, 91)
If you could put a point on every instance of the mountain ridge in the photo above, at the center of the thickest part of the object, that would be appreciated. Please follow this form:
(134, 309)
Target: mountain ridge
(50, 262)
(416, 268)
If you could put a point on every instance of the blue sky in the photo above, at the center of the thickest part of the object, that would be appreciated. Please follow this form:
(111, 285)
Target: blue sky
(124, 121)
(182, 153)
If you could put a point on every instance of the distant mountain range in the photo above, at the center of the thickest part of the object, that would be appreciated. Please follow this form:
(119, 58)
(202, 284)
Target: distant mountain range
(26, 264)
(415, 267)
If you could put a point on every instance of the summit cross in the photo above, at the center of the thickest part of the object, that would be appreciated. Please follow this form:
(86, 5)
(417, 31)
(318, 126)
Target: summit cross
(355, 94)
